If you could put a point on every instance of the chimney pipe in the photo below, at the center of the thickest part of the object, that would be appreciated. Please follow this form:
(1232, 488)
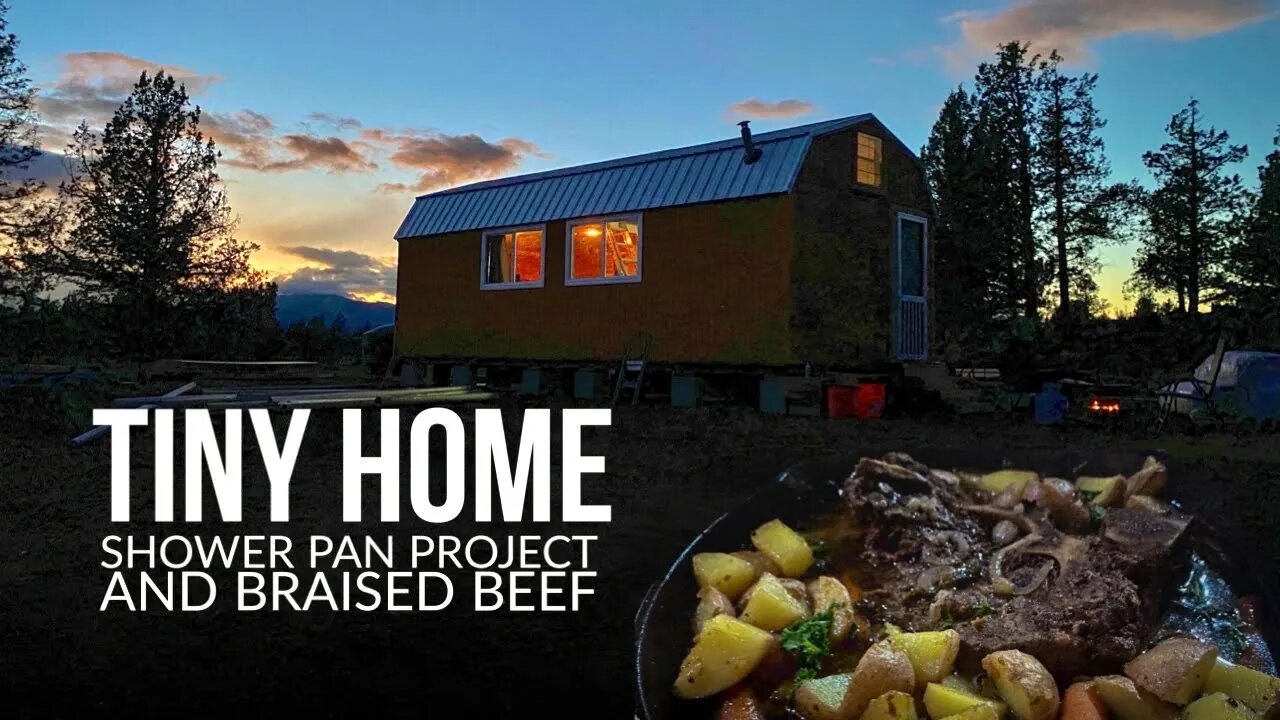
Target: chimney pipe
(750, 153)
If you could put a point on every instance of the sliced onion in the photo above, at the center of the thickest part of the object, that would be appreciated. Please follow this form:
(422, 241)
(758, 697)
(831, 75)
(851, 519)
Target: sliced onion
(1004, 586)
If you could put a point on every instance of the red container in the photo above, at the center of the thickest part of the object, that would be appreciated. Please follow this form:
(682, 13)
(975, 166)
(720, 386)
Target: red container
(842, 401)
(868, 402)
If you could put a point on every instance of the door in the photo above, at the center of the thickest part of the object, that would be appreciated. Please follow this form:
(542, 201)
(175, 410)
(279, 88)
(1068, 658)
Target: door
(911, 305)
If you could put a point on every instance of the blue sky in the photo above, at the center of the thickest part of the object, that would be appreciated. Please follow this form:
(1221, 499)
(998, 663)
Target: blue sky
(421, 95)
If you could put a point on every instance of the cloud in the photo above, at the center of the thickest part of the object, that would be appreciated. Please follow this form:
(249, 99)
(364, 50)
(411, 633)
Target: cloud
(333, 122)
(1072, 26)
(92, 85)
(761, 109)
(444, 160)
(340, 272)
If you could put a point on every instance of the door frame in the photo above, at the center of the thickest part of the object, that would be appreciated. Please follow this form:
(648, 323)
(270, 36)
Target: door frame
(898, 296)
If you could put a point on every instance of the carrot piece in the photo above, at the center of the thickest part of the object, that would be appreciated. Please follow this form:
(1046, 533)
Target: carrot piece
(1081, 702)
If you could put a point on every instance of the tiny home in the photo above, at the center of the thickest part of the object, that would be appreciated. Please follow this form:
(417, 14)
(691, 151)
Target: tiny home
(803, 245)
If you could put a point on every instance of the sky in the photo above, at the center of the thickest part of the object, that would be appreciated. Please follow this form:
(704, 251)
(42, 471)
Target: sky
(333, 115)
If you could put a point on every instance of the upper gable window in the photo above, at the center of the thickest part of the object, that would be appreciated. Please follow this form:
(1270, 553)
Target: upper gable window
(870, 160)
(603, 250)
(512, 258)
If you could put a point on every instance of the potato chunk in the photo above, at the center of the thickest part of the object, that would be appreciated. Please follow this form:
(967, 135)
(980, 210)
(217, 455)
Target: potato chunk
(1001, 480)
(1130, 702)
(759, 561)
(727, 650)
(1175, 670)
(1023, 683)
(933, 653)
(1258, 690)
(891, 706)
(882, 669)
(941, 701)
(1106, 491)
(824, 698)
(784, 547)
(770, 605)
(976, 712)
(724, 572)
(829, 593)
(1218, 706)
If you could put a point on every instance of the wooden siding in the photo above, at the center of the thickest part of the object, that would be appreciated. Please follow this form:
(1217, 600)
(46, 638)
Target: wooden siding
(714, 289)
(843, 269)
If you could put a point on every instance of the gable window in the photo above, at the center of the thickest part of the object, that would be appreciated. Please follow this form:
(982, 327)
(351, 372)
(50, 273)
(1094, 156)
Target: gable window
(603, 250)
(512, 258)
(870, 160)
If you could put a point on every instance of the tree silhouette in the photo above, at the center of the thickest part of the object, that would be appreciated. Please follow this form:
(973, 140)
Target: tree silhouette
(1198, 206)
(1076, 210)
(1003, 145)
(1254, 262)
(17, 150)
(149, 227)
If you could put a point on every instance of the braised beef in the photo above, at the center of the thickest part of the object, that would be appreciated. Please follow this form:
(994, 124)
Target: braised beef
(926, 543)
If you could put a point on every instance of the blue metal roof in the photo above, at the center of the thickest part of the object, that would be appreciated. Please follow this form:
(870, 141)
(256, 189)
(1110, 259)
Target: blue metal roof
(684, 176)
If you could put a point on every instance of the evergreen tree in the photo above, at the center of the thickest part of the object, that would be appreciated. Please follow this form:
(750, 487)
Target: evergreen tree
(1076, 210)
(17, 150)
(962, 276)
(1003, 154)
(150, 229)
(1255, 260)
(1198, 205)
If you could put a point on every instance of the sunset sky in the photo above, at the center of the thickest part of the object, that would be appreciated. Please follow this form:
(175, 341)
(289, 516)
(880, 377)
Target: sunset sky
(333, 115)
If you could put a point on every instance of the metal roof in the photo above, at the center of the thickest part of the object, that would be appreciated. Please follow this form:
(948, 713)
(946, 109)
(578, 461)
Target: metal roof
(683, 176)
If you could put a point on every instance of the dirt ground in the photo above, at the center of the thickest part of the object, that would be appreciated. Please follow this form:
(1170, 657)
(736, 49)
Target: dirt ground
(669, 473)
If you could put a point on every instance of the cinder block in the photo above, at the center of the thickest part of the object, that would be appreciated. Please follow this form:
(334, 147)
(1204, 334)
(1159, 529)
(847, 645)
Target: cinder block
(586, 384)
(684, 391)
(460, 375)
(532, 381)
(773, 396)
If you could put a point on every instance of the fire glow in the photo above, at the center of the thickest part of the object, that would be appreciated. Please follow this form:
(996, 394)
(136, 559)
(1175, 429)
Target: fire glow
(1104, 406)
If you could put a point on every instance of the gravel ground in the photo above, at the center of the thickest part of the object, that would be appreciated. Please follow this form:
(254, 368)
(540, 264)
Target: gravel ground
(669, 473)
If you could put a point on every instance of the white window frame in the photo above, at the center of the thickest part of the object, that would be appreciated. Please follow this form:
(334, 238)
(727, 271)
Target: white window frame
(542, 273)
(569, 225)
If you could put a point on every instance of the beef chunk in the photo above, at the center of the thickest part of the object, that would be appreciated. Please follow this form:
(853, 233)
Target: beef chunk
(926, 541)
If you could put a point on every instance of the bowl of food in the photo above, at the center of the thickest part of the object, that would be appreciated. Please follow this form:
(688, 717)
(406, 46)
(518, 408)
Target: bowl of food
(966, 586)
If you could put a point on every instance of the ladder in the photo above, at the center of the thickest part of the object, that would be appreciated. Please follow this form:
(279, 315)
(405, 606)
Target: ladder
(631, 369)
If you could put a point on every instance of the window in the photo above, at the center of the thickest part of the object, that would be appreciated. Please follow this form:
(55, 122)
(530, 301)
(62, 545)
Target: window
(911, 260)
(604, 250)
(869, 160)
(512, 258)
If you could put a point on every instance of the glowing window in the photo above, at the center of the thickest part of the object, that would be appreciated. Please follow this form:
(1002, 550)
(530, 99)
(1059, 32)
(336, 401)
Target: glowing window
(604, 250)
(869, 160)
(512, 258)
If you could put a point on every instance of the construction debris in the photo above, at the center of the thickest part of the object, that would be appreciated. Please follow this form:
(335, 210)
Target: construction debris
(290, 398)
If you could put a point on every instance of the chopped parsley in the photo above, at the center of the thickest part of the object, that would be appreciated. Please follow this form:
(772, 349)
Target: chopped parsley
(809, 640)
(1089, 495)
(1096, 514)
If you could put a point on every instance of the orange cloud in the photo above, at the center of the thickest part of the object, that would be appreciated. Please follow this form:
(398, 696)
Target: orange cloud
(1071, 26)
(445, 160)
(768, 110)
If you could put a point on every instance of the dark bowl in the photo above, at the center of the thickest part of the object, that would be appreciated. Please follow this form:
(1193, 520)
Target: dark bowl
(803, 492)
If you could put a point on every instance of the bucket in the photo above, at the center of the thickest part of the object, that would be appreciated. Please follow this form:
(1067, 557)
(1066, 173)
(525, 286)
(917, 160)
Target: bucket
(868, 401)
(842, 401)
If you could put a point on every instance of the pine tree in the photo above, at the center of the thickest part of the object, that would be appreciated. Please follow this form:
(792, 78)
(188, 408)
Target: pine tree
(1255, 260)
(962, 276)
(1077, 210)
(17, 150)
(1003, 154)
(1198, 206)
(150, 228)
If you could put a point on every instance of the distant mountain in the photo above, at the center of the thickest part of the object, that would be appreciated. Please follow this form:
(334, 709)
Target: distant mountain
(358, 315)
